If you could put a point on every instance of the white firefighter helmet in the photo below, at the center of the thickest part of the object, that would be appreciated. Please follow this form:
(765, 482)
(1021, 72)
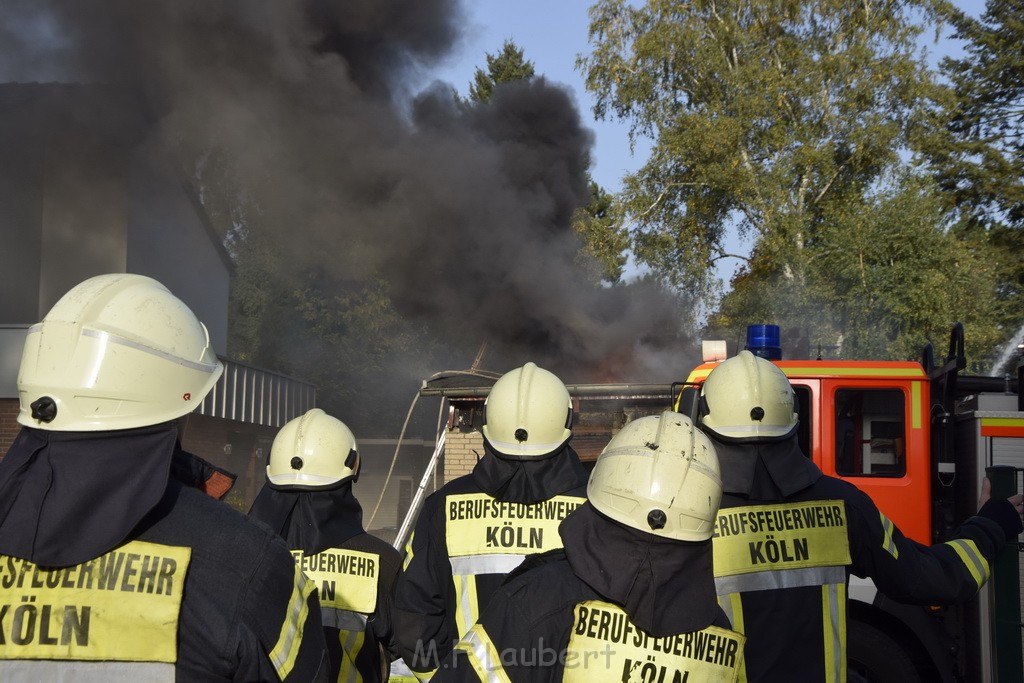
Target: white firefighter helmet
(528, 413)
(314, 450)
(117, 351)
(659, 474)
(748, 397)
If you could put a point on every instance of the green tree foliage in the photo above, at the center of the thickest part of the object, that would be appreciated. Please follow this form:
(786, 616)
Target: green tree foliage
(342, 336)
(978, 149)
(875, 296)
(287, 314)
(605, 241)
(761, 112)
(508, 65)
(981, 161)
(354, 337)
(792, 122)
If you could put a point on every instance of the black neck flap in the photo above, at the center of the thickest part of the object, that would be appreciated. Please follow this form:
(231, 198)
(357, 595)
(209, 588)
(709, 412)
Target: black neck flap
(529, 481)
(664, 585)
(770, 470)
(68, 497)
(310, 521)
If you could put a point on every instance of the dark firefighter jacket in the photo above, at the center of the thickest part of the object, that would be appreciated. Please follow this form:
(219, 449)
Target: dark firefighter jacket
(353, 571)
(115, 570)
(787, 539)
(616, 604)
(469, 535)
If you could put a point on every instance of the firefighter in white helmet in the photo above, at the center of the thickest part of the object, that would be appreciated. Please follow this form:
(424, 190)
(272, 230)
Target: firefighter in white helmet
(114, 569)
(631, 596)
(771, 571)
(308, 500)
(480, 526)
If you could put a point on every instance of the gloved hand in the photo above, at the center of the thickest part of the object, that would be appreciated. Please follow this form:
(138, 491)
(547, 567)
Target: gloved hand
(1008, 514)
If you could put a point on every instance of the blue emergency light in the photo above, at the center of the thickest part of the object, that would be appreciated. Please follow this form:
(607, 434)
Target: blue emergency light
(764, 341)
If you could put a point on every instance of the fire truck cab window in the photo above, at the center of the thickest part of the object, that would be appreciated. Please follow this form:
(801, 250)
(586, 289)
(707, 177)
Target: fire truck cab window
(870, 433)
(803, 414)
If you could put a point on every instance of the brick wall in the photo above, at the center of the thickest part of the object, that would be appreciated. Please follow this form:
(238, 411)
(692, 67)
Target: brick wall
(461, 452)
(9, 426)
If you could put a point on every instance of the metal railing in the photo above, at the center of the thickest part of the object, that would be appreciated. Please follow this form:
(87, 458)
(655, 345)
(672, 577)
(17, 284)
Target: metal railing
(256, 396)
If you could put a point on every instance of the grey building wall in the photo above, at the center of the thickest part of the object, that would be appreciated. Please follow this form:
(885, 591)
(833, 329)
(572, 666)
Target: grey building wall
(83, 228)
(21, 163)
(169, 240)
(81, 194)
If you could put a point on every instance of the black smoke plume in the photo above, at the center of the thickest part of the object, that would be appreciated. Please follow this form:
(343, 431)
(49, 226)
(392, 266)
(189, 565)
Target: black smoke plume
(313, 107)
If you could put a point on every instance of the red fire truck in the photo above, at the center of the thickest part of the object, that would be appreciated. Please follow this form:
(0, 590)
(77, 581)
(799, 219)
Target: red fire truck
(918, 437)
